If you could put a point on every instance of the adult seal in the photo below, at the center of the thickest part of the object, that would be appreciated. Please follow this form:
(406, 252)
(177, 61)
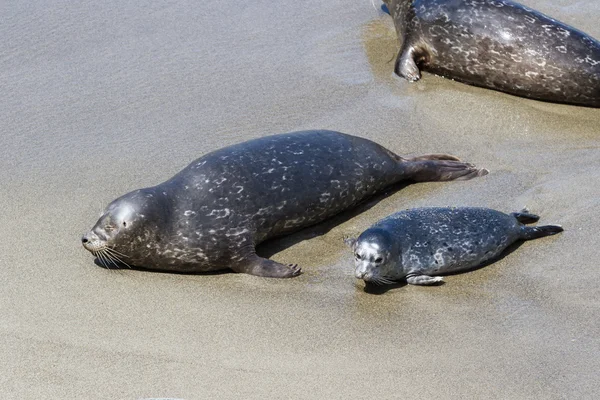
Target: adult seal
(212, 214)
(497, 44)
(419, 244)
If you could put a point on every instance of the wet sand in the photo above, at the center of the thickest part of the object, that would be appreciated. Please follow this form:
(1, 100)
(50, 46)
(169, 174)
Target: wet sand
(103, 98)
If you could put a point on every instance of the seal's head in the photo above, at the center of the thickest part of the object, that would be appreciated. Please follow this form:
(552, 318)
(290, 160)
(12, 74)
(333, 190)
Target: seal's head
(127, 222)
(375, 256)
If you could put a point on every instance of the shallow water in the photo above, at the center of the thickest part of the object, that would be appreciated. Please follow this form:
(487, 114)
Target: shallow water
(103, 98)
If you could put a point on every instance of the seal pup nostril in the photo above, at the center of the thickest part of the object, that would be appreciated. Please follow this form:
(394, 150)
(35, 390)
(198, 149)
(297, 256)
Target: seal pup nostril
(84, 240)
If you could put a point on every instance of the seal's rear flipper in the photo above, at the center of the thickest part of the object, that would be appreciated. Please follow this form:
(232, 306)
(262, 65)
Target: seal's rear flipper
(525, 218)
(536, 232)
(259, 266)
(440, 170)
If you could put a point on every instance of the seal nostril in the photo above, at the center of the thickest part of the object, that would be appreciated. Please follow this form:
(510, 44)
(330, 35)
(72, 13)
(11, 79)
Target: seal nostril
(84, 240)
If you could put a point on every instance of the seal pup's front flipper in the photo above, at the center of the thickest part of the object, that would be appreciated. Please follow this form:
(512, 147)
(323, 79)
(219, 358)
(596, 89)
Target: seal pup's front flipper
(424, 280)
(255, 265)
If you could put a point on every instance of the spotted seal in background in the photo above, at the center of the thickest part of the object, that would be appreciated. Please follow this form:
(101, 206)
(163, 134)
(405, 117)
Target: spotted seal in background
(212, 214)
(421, 243)
(497, 44)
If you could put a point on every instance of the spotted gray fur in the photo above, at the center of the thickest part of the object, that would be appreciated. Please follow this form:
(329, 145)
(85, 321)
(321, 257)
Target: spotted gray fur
(421, 243)
(212, 214)
(497, 44)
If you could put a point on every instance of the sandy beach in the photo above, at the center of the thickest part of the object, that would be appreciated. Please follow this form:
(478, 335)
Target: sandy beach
(100, 98)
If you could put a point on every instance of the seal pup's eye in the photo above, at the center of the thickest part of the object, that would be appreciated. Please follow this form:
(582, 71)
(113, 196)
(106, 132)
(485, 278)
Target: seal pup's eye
(378, 260)
(125, 224)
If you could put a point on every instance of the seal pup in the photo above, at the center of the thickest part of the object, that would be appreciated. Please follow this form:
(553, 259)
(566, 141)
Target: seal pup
(212, 214)
(497, 44)
(421, 243)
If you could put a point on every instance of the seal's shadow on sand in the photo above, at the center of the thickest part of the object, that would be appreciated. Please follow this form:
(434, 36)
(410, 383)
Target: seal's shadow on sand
(121, 267)
(382, 289)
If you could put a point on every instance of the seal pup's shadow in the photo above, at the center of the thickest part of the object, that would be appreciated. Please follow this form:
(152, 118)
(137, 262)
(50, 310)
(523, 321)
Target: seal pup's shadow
(275, 245)
(375, 289)
(372, 288)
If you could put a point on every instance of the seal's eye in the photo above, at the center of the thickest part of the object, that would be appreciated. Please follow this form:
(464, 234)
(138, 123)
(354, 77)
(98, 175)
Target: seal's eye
(125, 224)
(379, 260)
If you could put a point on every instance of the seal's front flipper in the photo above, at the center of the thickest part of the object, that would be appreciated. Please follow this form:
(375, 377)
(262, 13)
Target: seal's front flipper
(406, 66)
(266, 268)
(441, 170)
(424, 280)
(536, 232)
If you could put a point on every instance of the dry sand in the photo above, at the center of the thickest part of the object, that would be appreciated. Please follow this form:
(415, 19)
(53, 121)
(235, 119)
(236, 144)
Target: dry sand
(100, 98)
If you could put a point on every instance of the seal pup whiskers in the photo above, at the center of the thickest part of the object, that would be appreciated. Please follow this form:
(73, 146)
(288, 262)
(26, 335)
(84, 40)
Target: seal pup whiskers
(212, 214)
(497, 44)
(421, 243)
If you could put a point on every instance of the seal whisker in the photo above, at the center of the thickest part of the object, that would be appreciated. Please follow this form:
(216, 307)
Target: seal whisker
(109, 251)
(112, 250)
(110, 258)
(117, 259)
(385, 280)
(378, 280)
(100, 256)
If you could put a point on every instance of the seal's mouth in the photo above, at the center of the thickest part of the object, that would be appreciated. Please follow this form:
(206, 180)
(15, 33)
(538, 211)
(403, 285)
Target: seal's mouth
(106, 255)
(92, 242)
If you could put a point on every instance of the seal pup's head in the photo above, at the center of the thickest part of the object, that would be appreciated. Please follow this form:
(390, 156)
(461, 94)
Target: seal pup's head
(128, 224)
(375, 256)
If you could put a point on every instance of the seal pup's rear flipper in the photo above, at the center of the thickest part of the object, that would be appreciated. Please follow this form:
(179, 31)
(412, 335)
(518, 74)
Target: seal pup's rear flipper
(536, 232)
(433, 170)
(255, 265)
(424, 280)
